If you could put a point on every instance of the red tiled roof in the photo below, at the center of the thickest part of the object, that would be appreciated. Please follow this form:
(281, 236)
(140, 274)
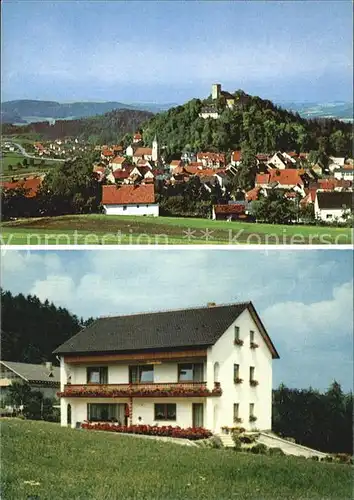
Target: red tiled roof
(32, 185)
(119, 160)
(143, 152)
(262, 178)
(175, 163)
(125, 195)
(121, 174)
(287, 176)
(236, 156)
(107, 152)
(196, 164)
(209, 172)
(229, 209)
(252, 195)
(212, 157)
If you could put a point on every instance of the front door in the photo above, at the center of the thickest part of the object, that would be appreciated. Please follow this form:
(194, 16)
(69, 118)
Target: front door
(198, 414)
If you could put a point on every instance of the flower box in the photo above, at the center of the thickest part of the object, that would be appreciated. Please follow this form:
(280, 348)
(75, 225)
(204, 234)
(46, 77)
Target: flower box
(253, 418)
(238, 342)
(253, 345)
(238, 380)
(238, 420)
(254, 383)
(130, 390)
(192, 433)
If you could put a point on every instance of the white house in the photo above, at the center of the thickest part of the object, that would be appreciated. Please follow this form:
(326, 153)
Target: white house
(203, 367)
(331, 206)
(130, 200)
(346, 173)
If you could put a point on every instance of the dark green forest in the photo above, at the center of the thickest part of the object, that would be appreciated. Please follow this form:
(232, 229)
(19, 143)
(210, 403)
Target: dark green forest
(323, 421)
(31, 329)
(258, 123)
(108, 128)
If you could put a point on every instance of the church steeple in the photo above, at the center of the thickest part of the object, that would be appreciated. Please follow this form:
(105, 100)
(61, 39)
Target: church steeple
(155, 149)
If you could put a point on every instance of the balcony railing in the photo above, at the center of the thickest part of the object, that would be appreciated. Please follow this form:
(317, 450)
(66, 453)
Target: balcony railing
(183, 389)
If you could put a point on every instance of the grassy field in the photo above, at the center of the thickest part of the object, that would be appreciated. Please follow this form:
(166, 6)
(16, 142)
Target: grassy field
(43, 461)
(102, 229)
(14, 158)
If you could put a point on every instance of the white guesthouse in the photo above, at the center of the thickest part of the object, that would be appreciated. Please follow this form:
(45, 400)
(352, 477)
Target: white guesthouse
(204, 367)
(130, 200)
(332, 206)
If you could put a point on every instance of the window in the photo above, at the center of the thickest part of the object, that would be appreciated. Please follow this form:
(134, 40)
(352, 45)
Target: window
(141, 374)
(252, 372)
(329, 216)
(236, 372)
(251, 336)
(124, 207)
(236, 411)
(105, 412)
(192, 372)
(251, 409)
(97, 375)
(165, 412)
(237, 333)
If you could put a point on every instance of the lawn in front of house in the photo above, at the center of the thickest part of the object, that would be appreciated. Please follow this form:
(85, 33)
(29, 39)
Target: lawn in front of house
(43, 460)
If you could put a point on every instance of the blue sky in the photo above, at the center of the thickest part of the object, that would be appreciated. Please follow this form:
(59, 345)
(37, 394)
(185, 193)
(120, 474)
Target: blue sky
(171, 51)
(304, 297)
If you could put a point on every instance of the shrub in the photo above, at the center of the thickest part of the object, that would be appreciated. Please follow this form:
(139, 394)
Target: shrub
(237, 441)
(259, 448)
(247, 439)
(315, 458)
(276, 452)
(343, 458)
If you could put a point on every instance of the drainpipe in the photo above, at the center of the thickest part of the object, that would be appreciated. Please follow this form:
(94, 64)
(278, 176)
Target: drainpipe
(130, 410)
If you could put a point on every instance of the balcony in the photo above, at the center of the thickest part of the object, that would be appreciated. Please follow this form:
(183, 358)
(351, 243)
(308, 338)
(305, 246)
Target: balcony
(184, 389)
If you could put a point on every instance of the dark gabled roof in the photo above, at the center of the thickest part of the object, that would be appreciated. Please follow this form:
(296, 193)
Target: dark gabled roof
(34, 373)
(182, 328)
(335, 200)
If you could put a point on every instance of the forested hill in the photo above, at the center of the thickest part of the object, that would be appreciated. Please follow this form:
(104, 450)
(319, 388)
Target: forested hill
(32, 329)
(110, 127)
(260, 123)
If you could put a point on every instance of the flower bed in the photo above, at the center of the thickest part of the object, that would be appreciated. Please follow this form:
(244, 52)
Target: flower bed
(192, 433)
(106, 392)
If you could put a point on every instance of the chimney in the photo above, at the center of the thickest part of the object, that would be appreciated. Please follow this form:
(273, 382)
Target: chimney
(211, 304)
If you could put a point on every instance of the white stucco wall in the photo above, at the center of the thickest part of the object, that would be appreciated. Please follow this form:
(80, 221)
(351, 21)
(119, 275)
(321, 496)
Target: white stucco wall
(152, 209)
(227, 354)
(144, 408)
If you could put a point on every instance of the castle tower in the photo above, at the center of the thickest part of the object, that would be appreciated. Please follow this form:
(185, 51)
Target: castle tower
(215, 91)
(155, 150)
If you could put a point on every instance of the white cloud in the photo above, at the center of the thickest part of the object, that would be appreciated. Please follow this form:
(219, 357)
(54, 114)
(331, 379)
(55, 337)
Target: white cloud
(301, 325)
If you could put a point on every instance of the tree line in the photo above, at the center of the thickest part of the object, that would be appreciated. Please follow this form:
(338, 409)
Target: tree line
(101, 129)
(31, 329)
(323, 421)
